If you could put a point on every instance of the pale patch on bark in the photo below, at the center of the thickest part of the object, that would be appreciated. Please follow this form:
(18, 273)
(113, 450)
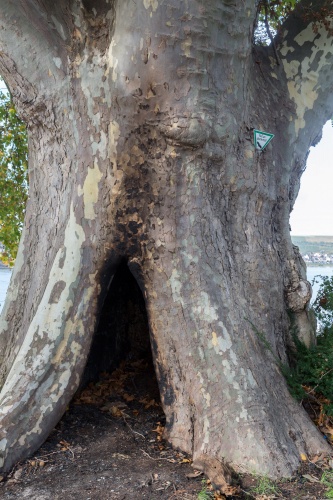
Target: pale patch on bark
(189, 258)
(307, 35)
(59, 27)
(90, 191)
(205, 441)
(302, 76)
(205, 394)
(91, 69)
(221, 344)
(114, 132)
(230, 376)
(3, 445)
(100, 146)
(248, 154)
(153, 4)
(113, 62)
(57, 61)
(176, 286)
(186, 46)
(204, 309)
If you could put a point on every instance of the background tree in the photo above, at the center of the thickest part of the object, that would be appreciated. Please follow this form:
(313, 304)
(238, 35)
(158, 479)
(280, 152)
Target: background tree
(140, 118)
(13, 173)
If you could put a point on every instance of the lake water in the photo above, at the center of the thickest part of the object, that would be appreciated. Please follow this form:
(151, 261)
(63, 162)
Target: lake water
(312, 271)
(5, 275)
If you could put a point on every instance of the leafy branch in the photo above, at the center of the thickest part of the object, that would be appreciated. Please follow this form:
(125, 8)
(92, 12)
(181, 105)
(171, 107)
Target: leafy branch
(13, 174)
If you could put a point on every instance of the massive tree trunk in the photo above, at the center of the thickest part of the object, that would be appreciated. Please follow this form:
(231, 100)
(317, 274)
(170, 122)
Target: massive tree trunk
(141, 118)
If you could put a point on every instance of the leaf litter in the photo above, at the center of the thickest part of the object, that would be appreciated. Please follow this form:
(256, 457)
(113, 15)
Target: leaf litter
(109, 445)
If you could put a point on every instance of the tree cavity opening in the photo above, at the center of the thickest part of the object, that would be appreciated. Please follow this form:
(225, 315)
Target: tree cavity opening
(121, 343)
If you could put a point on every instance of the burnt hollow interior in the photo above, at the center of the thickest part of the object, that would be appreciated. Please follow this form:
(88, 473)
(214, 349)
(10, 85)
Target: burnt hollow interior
(122, 333)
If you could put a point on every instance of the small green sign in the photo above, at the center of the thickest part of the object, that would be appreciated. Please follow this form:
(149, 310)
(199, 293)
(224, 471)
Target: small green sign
(261, 139)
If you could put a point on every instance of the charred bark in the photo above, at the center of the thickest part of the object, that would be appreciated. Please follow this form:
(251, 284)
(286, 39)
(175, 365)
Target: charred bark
(141, 118)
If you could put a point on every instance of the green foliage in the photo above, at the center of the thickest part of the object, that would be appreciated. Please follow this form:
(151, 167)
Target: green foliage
(327, 480)
(314, 370)
(204, 494)
(273, 13)
(265, 487)
(13, 174)
(323, 305)
(311, 373)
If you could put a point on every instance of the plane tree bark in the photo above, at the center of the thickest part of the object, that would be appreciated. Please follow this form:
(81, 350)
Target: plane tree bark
(141, 118)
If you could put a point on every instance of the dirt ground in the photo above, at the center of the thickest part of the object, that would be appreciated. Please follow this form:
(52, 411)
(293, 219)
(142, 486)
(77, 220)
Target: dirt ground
(109, 446)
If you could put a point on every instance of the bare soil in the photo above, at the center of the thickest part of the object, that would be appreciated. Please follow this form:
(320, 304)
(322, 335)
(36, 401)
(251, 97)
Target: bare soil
(109, 446)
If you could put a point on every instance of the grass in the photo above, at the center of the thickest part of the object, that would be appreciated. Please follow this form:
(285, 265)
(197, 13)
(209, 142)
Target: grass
(327, 480)
(265, 486)
(204, 494)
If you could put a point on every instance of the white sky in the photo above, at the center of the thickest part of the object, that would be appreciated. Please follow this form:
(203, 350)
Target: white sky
(313, 210)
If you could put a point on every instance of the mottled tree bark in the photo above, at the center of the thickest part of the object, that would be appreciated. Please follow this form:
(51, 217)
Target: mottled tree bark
(141, 118)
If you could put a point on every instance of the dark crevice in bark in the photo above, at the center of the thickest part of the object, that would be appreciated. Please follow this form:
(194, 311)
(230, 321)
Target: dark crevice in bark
(122, 333)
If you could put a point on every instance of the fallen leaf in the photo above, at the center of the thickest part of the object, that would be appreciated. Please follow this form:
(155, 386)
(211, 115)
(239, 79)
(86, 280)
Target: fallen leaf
(120, 455)
(194, 474)
(128, 397)
(159, 429)
(219, 496)
(115, 411)
(18, 473)
(148, 402)
(303, 457)
(1, 479)
(312, 479)
(185, 461)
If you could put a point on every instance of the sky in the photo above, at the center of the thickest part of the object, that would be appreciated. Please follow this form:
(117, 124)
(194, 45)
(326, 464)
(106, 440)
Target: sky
(313, 209)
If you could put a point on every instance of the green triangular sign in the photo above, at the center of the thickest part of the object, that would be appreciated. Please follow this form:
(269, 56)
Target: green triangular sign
(261, 139)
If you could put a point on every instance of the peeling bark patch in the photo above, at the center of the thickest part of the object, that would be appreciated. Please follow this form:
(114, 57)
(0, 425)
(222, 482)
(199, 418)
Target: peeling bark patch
(186, 46)
(303, 74)
(113, 61)
(176, 286)
(220, 344)
(56, 292)
(153, 4)
(205, 309)
(3, 443)
(90, 191)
